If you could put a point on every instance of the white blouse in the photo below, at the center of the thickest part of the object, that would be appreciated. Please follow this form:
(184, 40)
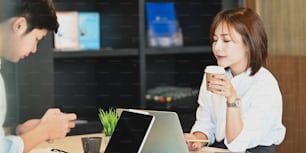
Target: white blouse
(260, 106)
(8, 144)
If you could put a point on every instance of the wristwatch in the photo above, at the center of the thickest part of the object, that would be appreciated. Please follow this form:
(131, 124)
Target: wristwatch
(236, 103)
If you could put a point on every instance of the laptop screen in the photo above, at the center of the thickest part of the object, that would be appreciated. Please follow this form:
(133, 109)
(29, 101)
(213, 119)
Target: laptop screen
(130, 133)
(166, 135)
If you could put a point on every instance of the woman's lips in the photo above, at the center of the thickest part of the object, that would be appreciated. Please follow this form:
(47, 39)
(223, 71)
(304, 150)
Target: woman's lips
(220, 57)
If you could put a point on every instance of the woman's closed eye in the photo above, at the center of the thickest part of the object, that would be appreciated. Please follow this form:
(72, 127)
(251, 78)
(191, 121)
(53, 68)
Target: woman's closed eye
(226, 40)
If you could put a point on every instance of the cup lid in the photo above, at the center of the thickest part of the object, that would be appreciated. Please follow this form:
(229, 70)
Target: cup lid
(214, 69)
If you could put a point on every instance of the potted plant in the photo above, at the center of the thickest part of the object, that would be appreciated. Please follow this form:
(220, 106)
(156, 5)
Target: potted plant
(109, 119)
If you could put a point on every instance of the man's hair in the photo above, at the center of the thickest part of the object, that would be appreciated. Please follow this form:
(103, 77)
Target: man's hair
(251, 28)
(39, 14)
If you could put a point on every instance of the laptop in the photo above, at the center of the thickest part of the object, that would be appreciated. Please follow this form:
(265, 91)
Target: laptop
(131, 132)
(166, 134)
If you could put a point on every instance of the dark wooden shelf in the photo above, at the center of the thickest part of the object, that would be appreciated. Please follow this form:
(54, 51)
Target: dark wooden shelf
(58, 54)
(178, 50)
(94, 53)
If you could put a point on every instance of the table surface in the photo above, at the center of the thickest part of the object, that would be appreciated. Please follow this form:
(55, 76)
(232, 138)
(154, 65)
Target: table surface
(73, 144)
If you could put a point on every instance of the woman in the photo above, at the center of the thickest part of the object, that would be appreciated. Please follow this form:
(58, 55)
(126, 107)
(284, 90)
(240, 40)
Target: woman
(243, 111)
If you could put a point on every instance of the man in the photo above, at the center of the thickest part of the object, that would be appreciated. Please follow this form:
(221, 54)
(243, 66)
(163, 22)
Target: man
(23, 23)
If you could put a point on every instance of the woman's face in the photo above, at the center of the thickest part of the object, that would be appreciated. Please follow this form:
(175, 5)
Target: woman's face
(229, 49)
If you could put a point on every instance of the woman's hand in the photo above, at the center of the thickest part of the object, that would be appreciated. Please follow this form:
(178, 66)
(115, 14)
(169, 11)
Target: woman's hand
(221, 85)
(192, 146)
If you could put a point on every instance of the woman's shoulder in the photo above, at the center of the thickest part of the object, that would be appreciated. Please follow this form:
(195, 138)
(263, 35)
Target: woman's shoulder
(263, 82)
(265, 75)
(264, 71)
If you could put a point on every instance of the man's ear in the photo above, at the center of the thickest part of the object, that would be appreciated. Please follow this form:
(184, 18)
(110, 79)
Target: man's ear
(19, 25)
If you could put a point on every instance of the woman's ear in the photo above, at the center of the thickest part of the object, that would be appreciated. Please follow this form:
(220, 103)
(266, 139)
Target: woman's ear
(19, 25)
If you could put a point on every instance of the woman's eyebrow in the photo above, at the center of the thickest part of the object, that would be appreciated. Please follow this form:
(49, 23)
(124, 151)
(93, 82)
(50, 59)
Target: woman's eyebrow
(224, 34)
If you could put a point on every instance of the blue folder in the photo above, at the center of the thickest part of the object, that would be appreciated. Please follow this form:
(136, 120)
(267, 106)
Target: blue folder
(89, 30)
(161, 20)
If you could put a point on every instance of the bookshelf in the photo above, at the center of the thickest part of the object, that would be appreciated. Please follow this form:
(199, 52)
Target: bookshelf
(125, 67)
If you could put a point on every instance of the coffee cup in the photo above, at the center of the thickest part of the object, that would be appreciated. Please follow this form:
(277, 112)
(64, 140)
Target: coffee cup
(212, 70)
(91, 144)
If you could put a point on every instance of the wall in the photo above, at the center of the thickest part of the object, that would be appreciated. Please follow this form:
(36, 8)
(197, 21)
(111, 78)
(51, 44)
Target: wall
(290, 73)
(284, 21)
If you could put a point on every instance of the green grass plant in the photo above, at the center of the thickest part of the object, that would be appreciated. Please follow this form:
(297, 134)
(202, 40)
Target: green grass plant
(109, 119)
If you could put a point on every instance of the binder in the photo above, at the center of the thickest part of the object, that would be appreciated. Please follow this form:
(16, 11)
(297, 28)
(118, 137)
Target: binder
(67, 37)
(161, 19)
(89, 30)
(162, 25)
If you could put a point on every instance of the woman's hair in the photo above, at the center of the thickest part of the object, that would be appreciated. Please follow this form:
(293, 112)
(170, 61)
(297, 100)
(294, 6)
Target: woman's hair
(39, 14)
(249, 25)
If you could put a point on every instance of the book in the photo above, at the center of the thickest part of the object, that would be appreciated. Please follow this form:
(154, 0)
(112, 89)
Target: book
(89, 30)
(67, 37)
(162, 25)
